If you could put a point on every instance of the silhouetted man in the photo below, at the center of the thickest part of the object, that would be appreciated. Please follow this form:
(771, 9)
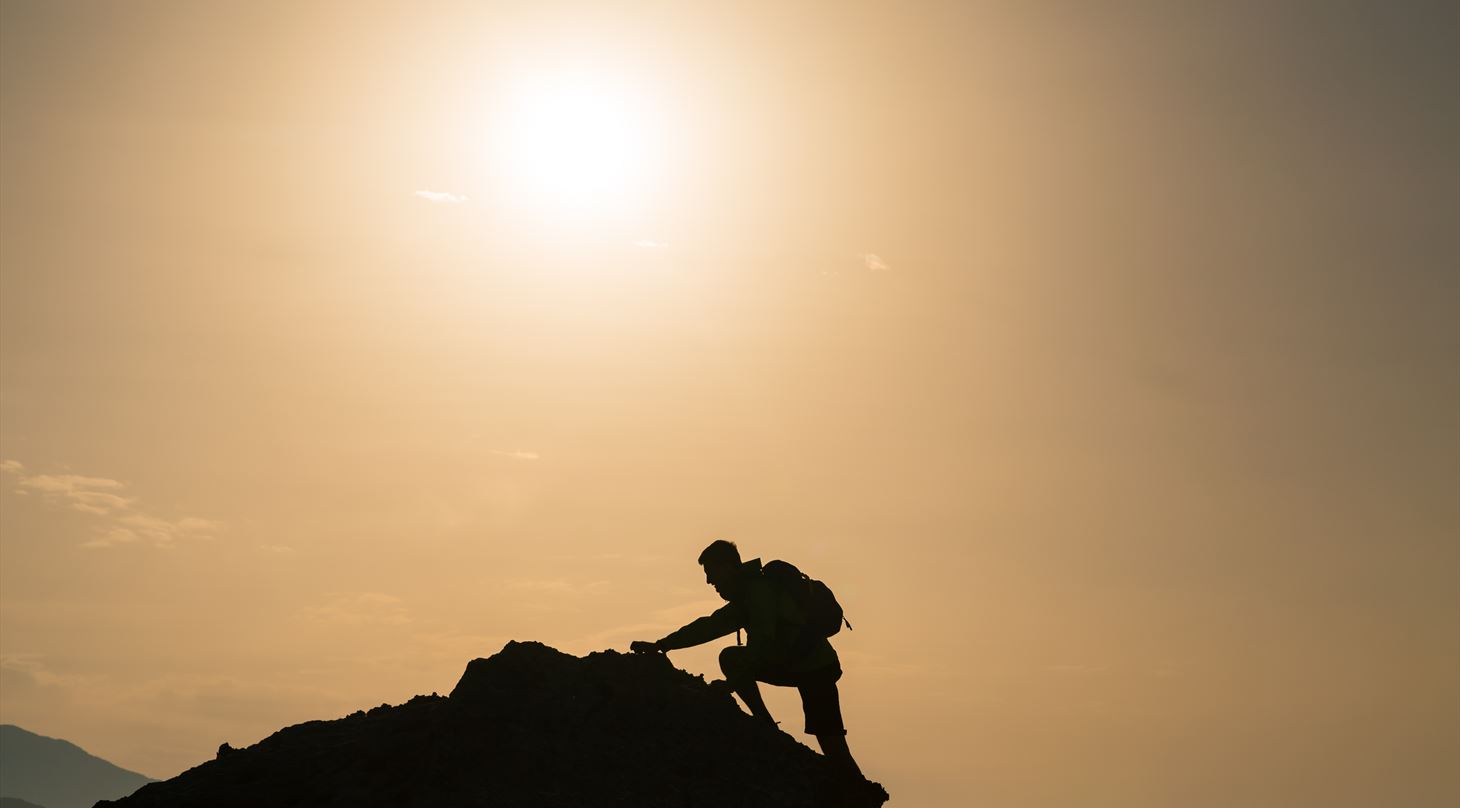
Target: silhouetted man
(777, 650)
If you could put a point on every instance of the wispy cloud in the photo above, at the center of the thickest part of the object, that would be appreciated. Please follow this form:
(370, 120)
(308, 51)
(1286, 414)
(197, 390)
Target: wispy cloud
(557, 586)
(555, 595)
(661, 622)
(516, 455)
(649, 244)
(121, 521)
(88, 494)
(442, 197)
(360, 609)
(874, 262)
(188, 698)
(35, 667)
(883, 667)
(141, 527)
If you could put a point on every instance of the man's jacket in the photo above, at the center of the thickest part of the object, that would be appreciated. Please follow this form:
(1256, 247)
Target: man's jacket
(773, 625)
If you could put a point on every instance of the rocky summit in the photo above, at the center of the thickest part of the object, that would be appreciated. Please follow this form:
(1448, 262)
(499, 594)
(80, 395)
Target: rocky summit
(530, 727)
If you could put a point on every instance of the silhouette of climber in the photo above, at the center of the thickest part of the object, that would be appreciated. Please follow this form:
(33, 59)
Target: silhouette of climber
(776, 650)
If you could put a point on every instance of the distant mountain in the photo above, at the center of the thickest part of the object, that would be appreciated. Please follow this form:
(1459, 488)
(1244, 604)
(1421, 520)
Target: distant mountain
(53, 773)
(530, 726)
(16, 802)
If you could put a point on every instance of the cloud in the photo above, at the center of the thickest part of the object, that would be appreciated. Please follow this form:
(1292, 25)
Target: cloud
(277, 549)
(557, 586)
(621, 635)
(64, 483)
(875, 263)
(449, 646)
(651, 245)
(442, 197)
(883, 667)
(555, 595)
(636, 559)
(98, 502)
(25, 663)
(121, 521)
(34, 667)
(360, 609)
(662, 622)
(517, 455)
(176, 699)
(141, 527)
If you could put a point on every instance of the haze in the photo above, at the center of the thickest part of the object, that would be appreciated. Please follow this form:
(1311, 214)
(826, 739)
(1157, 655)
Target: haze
(1105, 359)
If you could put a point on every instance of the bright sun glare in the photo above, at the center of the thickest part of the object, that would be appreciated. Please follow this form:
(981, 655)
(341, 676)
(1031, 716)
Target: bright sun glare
(575, 143)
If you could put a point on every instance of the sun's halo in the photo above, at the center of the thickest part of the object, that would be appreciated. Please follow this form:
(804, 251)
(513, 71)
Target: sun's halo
(575, 143)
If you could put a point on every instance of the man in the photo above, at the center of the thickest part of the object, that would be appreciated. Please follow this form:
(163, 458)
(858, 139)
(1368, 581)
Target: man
(777, 650)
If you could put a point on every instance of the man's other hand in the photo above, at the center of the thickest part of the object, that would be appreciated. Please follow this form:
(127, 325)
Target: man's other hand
(642, 647)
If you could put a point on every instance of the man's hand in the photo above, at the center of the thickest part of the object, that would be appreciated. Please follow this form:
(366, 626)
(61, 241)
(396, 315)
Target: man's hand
(642, 647)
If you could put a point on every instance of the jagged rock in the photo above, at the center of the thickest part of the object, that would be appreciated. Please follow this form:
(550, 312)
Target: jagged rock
(530, 727)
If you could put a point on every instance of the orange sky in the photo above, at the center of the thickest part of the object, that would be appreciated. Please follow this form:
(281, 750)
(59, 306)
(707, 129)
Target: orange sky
(1106, 362)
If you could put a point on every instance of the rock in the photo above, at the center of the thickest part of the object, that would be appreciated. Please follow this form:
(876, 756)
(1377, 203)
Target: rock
(530, 726)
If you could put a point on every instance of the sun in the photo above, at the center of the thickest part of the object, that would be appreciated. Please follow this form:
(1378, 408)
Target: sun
(574, 142)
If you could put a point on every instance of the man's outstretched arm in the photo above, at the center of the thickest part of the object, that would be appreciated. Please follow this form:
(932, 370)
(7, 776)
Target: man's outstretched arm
(707, 628)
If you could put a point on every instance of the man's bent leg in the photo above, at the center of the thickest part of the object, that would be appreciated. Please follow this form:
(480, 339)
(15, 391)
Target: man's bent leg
(834, 747)
(737, 673)
(822, 705)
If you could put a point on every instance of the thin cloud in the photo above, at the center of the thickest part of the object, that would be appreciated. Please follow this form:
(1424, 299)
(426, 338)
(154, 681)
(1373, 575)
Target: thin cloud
(168, 694)
(651, 245)
(35, 667)
(557, 586)
(874, 262)
(132, 528)
(121, 521)
(663, 621)
(98, 502)
(442, 197)
(620, 635)
(23, 662)
(517, 455)
(360, 609)
(881, 666)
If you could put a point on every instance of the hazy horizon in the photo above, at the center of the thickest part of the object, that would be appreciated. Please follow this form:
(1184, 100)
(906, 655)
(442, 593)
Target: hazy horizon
(1106, 362)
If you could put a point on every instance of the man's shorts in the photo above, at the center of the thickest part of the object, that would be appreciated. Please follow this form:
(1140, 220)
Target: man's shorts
(819, 697)
(821, 702)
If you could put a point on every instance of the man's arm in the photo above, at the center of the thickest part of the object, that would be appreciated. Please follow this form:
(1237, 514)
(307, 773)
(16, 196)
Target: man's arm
(710, 627)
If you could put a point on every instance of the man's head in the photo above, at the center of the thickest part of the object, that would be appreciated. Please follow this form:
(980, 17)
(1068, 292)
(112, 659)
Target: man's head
(721, 561)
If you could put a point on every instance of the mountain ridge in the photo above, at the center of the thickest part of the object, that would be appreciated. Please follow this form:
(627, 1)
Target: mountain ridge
(55, 773)
(529, 726)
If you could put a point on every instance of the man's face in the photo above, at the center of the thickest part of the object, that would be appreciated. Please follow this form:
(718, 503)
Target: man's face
(723, 577)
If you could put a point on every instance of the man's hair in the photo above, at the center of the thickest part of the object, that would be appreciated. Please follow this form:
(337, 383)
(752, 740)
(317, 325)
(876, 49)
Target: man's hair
(720, 552)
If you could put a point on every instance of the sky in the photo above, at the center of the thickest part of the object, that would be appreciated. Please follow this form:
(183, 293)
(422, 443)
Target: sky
(1103, 358)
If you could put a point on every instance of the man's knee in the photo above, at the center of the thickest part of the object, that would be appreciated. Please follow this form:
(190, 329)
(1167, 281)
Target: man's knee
(732, 663)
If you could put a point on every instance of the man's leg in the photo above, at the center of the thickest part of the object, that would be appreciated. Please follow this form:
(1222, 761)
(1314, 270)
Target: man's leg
(836, 750)
(822, 705)
(737, 674)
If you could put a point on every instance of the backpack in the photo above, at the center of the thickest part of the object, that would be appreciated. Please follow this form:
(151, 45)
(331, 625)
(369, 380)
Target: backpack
(823, 614)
